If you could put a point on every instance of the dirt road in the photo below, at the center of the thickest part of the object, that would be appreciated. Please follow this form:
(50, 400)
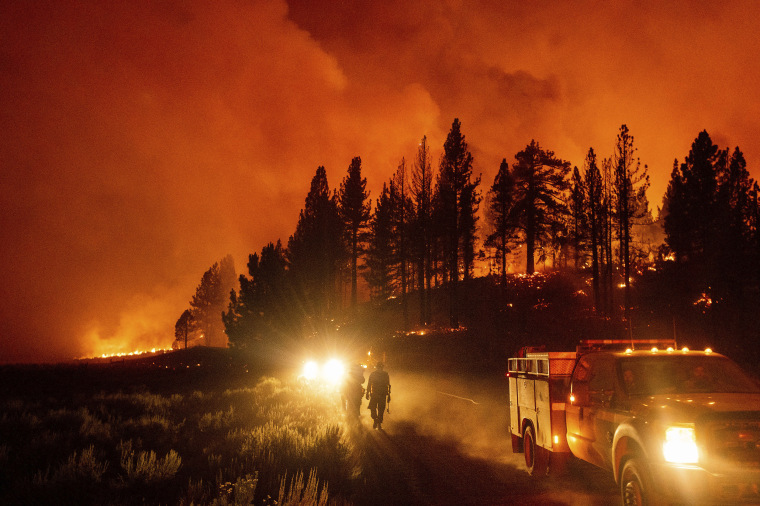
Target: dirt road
(446, 441)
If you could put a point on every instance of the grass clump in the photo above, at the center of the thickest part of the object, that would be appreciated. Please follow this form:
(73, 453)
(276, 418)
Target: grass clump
(146, 467)
(299, 493)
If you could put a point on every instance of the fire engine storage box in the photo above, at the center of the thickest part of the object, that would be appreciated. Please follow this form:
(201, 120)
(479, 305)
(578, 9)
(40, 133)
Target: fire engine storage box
(537, 393)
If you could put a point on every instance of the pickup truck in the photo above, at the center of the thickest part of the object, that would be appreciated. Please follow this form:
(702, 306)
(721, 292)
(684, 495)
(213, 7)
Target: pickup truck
(671, 425)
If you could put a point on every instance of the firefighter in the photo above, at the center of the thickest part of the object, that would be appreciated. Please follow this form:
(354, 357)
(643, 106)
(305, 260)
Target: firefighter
(353, 390)
(378, 393)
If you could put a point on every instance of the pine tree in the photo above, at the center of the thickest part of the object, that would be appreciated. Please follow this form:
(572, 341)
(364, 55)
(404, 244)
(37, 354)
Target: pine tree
(711, 219)
(501, 216)
(421, 193)
(210, 300)
(468, 219)
(315, 252)
(458, 194)
(593, 186)
(354, 207)
(380, 257)
(754, 231)
(607, 264)
(182, 330)
(631, 184)
(260, 310)
(692, 225)
(403, 211)
(734, 194)
(540, 184)
(675, 217)
(578, 207)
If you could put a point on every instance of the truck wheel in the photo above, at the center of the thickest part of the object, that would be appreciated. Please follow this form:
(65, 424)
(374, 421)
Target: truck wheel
(535, 456)
(635, 487)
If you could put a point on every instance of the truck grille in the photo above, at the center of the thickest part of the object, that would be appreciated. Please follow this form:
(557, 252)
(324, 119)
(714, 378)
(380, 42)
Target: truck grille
(734, 442)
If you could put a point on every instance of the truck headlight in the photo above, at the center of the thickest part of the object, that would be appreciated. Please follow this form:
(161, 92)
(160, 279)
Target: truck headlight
(310, 370)
(334, 371)
(680, 446)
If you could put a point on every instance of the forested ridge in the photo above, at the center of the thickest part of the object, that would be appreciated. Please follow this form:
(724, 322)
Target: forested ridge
(441, 251)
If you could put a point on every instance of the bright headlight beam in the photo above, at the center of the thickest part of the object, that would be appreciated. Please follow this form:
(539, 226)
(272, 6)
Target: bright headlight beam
(310, 370)
(333, 371)
(680, 445)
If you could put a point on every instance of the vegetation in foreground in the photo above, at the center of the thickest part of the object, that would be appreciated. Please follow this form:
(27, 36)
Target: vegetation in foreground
(272, 442)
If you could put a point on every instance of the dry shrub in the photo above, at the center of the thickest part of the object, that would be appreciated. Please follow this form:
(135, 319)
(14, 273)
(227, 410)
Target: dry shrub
(146, 467)
(84, 468)
(93, 428)
(217, 421)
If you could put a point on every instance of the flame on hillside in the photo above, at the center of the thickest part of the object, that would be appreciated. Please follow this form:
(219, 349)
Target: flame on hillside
(135, 353)
(144, 326)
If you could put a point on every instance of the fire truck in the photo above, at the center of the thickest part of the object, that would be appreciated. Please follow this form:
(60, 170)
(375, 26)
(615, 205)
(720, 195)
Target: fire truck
(671, 425)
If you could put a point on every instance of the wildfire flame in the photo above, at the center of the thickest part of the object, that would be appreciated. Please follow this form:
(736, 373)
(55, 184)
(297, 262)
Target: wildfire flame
(135, 353)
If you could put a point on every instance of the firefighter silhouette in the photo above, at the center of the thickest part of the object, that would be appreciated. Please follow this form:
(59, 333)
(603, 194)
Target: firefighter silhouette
(378, 392)
(353, 390)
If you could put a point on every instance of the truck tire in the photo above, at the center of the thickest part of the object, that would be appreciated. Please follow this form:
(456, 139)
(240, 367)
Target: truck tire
(535, 457)
(635, 485)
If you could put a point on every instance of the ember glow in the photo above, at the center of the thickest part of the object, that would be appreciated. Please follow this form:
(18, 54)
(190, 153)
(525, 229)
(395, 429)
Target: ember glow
(136, 353)
(704, 301)
(142, 141)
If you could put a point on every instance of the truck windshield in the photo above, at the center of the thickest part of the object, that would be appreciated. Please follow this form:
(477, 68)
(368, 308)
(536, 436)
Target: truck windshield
(653, 375)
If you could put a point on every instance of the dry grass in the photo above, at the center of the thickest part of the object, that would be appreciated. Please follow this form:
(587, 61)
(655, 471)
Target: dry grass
(268, 443)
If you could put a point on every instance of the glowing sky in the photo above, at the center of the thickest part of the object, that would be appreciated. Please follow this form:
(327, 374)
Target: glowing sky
(142, 141)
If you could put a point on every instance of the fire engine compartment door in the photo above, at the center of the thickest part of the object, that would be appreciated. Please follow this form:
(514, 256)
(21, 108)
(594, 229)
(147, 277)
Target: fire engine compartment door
(533, 404)
(514, 409)
(543, 414)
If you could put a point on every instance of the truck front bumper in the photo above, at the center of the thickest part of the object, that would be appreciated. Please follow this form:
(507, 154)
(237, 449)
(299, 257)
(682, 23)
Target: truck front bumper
(696, 485)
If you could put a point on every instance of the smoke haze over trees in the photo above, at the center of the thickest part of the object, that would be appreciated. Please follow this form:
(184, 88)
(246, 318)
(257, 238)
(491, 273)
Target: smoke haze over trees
(423, 241)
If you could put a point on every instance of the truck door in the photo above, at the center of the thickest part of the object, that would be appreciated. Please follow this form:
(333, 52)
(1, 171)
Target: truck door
(591, 389)
(602, 389)
(577, 410)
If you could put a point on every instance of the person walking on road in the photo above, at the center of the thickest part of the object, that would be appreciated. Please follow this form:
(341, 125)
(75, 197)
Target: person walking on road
(378, 393)
(353, 390)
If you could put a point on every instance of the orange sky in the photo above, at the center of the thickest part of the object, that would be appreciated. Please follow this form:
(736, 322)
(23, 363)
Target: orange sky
(143, 141)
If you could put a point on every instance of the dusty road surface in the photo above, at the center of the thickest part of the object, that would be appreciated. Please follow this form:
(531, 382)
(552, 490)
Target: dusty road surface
(446, 442)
